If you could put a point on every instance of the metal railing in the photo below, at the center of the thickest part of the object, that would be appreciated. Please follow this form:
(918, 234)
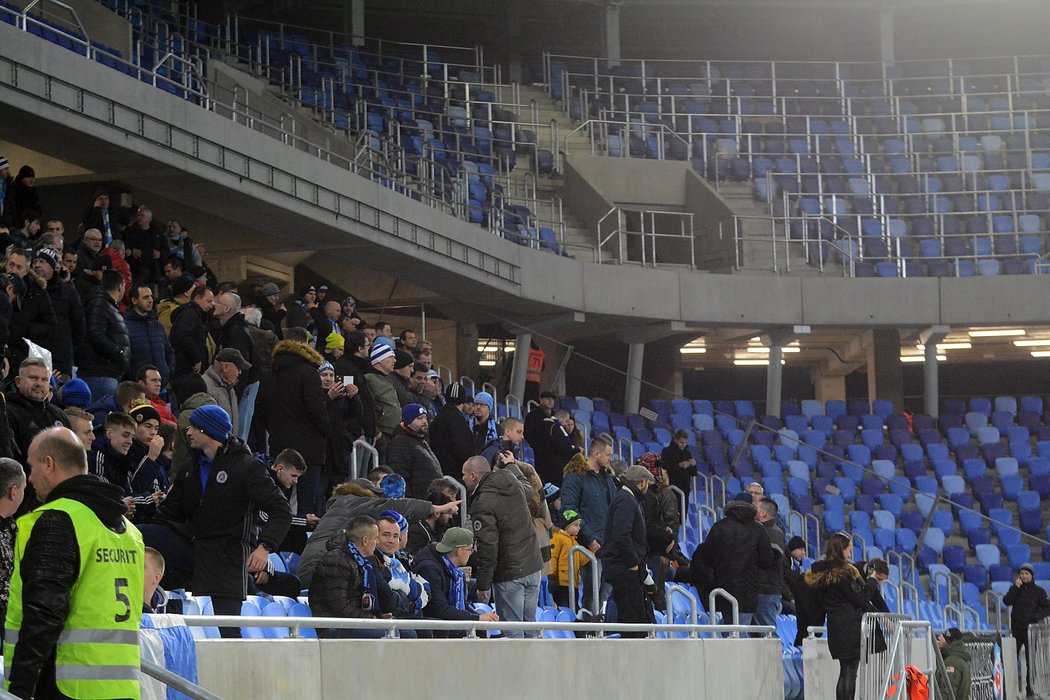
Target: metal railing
(172, 680)
(638, 243)
(687, 594)
(995, 609)
(712, 600)
(1038, 657)
(471, 628)
(889, 643)
(359, 467)
(596, 578)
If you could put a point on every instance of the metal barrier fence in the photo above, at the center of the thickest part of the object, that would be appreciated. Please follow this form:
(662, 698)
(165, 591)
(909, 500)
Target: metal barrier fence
(1038, 657)
(889, 643)
(983, 669)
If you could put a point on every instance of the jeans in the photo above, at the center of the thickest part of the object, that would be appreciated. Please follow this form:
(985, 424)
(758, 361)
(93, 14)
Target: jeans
(745, 619)
(101, 386)
(769, 606)
(246, 410)
(516, 601)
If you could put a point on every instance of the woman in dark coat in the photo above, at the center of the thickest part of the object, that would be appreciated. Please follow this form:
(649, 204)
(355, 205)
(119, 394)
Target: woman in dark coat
(840, 588)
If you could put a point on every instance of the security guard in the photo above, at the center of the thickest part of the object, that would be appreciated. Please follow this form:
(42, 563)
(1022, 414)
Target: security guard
(76, 592)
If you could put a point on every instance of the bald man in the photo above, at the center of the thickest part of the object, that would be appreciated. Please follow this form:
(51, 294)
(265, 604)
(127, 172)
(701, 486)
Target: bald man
(78, 578)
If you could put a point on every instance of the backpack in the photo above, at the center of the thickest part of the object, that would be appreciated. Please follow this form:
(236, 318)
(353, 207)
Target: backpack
(918, 684)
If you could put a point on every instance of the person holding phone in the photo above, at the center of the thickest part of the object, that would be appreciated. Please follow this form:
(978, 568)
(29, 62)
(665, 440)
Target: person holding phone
(69, 312)
(512, 435)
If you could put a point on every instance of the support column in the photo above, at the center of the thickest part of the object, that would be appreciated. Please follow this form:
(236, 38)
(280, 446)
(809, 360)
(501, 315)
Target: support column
(774, 378)
(885, 376)
(931, 372)
(521, 364)
(466, 351)
(826, 389)
(887, 39)
(357, 21)
(632, 395)
(612, 31)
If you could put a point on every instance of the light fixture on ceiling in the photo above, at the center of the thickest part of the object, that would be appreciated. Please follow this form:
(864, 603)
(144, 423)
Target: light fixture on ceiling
(753, 363)
(1041, 353)
(996, 332)
(692, 350)
(941, 347)
(921, 358)
(1031, 343)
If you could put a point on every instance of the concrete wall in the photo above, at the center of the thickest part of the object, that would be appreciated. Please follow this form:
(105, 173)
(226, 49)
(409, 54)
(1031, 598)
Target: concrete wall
(729, 669)
(101, 25)
(712, 252)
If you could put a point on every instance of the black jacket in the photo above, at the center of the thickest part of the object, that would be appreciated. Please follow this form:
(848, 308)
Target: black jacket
(106, 351)
(1029, 604)
(234, 334)
(553, 451)
(357, 367)
(505, 546)
(809, 609)
(625, 542)
(223, 516)
(842, 594)
(678, 476)
(344, 426)
(189, 338)
(735, 549)
(451, 440)
(771, 580)
(27, 418)
(49, 569)
(533, 423)
(291, 404)
(69, 325)
(31, 318)
(411, 457)
(337, 584)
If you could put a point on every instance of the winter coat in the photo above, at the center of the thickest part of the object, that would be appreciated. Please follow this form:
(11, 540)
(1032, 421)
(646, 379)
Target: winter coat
(809, 609)
(27, 417)
(735, 549)
(144, 240)
(234, 334)
(533, 424)
(678, 476)
(189, 339)
(107, 349)
(31, 318)
(291, 404)
(338, 583)
(451, 440)
(224, 394)
(957, 668)
(385, 404)
(344, 426)
(405, 395)
(1029, 603)
(149, 344)
(505, 545)
(69, 323)
(349, 501)
(589, 493)
(771, 580)
(844, 597)
(222, 517)
(410, 456)
(561, 543)
(553, 452)
(428, 564)
(624, 545)
(182, 457)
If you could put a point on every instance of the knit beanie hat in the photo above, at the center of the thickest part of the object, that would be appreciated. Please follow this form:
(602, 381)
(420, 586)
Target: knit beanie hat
(796, 542)
(393, 486)
(1027, 567)
(333, 341)
(379, 352)
(48, 255)
(402, 521)
(143, 412)
(213, 421)
(570, 517)
(412, 411)
(325, 366)
(75, 392)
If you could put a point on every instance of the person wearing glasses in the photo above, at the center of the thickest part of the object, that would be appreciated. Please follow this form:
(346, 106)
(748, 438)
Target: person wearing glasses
(442, 564)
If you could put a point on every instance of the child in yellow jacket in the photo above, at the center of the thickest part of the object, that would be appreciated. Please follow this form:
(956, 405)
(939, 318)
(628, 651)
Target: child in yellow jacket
(562, 541)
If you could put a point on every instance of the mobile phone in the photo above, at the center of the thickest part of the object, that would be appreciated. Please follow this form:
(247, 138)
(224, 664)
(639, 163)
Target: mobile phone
(348, 380)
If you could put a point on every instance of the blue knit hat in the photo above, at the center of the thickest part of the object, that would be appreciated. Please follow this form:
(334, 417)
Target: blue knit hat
(412, 411)
(75, 392)
(402, 521)
(213, 421)
(393, 486)
(379, 352)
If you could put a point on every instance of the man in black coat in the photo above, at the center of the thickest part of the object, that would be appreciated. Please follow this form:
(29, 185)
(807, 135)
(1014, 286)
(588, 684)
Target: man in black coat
(219, 498)
(69, 312)
(31, 316)
(189, 334)
(1029, 603)
(233, 333)
(678, 461)
(28, 413)
(355, 363)
(555, 449)
(534, 420)
(450, 435)
(624, 549)
(735, 549)
(410, 455)
(441, 564)
(291, 408)
(105, 357)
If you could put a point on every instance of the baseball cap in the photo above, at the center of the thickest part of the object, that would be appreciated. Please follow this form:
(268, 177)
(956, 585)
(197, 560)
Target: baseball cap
(455, 537)
(366, 484)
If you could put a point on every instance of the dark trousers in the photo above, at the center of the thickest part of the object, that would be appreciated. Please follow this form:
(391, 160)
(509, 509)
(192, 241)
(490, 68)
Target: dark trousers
(846, 688)
(631, 603)
(312, 491)
(227, 606)
(560, 595)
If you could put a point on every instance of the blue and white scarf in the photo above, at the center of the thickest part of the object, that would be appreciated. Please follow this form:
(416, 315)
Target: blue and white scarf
(368, 575)
(457, 588)
(412, 586)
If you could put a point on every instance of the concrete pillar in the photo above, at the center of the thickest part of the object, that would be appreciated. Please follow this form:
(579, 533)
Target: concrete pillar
(931, 377)
(632, 395)
(885, 375)
(518, 372)
(828, 388)
(612, 32)
(467, 351)
(774, 377)
(887, 40)
(357, 21)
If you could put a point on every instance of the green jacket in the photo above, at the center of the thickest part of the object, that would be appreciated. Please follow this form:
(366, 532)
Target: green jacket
(182, 458)
(957, 666)
(384, 398)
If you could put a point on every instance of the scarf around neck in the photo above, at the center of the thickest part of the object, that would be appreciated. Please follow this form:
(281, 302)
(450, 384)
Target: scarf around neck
(457, 587)
(367, 574)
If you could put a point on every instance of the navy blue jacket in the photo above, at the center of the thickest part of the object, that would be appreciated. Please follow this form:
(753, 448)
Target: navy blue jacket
(625, 541)
(149, 344)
